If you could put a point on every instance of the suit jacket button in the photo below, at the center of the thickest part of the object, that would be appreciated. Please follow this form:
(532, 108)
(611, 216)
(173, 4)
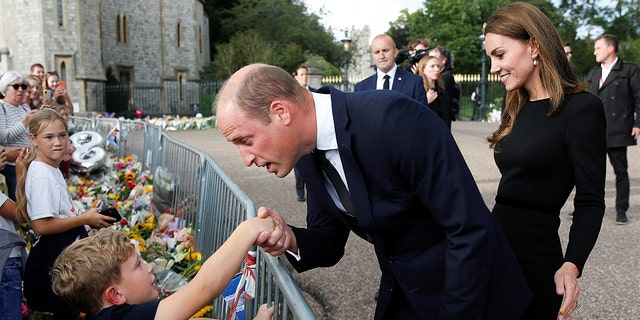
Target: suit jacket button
(391, 259)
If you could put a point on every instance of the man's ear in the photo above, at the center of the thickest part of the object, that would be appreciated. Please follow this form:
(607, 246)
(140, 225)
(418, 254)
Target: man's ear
(114, 297)
(280, 110)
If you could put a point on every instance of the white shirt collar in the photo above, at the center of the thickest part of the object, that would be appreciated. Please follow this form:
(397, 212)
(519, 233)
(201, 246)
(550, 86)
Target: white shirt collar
(606, 71)
(392, 76)
(326, 135)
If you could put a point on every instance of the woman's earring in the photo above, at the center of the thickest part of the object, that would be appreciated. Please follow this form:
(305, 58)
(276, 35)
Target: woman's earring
(535, 62)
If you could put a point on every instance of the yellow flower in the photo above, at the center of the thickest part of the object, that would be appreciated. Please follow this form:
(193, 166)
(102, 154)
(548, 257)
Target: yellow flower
(130, 176)
(196, 268)
(196, 256)
(203, 312)
(128, 158)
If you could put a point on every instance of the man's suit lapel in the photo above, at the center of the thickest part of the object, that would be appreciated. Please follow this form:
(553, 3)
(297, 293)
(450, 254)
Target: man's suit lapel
(615, 72)
(398, 80)
(355, 179)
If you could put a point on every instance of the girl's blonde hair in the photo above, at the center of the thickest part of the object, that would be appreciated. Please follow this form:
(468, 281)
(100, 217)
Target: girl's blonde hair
(37, 122)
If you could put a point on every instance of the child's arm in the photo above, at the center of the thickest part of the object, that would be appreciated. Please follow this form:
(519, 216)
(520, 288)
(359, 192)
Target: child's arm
(8, 210)
(58, 225)
(216, 272)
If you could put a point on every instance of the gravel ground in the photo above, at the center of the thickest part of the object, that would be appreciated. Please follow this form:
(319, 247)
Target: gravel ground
(610, 281)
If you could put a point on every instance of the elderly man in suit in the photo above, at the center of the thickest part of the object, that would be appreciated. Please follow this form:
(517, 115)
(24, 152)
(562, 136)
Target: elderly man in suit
(410, 194)
(388, 75)
(617, 83)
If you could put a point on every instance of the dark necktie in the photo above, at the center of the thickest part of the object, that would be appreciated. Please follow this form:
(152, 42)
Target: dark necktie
(385, 85)
(336, 181)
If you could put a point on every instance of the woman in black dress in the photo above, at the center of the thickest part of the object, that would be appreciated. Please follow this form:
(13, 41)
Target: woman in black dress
(551, 139)
(430, 68)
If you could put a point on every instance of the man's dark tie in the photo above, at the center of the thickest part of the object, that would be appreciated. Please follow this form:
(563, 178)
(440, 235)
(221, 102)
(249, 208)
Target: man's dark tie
(385, 85)
(336, 181)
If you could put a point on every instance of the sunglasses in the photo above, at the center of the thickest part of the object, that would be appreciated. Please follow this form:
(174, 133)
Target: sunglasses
(19, 85)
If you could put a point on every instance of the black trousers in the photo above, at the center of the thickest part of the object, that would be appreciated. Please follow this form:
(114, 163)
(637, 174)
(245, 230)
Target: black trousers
(618, 159)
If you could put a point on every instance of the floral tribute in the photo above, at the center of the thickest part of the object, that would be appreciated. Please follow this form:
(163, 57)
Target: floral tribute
(163, 240)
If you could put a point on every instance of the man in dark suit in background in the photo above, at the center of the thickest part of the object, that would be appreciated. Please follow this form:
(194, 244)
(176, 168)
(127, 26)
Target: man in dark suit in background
(410, 194)
(388, 75)
(617, 83)
(302, 76)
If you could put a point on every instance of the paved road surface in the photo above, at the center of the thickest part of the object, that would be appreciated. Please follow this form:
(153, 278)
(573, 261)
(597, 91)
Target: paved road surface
(611, 280)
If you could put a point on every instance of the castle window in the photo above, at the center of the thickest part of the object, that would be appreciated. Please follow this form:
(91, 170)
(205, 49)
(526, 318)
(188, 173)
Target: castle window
(60, 20)
(179, 36)
(125, 29)
(122, 28)
(200, 37)
(118, 28)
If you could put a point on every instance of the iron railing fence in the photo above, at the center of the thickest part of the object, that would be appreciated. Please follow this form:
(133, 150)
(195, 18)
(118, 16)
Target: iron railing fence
(190, 98)
(208, 200)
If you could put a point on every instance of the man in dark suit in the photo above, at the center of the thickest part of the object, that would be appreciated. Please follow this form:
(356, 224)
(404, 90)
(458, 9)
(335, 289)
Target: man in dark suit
(410, 194)
(384, 52)
(617, 83)
(302, 76)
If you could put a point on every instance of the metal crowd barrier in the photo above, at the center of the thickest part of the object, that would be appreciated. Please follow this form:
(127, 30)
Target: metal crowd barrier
(207, 199)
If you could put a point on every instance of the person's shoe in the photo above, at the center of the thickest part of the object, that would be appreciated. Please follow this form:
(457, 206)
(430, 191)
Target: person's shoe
(301, 198)
(621, 218)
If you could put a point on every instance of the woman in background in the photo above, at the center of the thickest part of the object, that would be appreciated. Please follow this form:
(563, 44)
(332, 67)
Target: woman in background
(551, 139)
(54, 94)
(429, 68)
(14, 119)
(33, 99)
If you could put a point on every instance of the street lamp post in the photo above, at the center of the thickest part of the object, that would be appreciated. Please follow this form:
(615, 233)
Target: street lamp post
(483, 77)
(346, 43)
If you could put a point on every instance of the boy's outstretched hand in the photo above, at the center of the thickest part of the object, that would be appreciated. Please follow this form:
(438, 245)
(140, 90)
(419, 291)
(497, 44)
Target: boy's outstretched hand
(278, 241)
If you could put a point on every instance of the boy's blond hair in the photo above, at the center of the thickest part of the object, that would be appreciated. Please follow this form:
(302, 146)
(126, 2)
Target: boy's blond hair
(86, 268)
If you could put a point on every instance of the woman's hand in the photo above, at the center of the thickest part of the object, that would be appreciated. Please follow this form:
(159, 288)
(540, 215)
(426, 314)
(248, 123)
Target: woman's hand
(59, 92)
(432, 95)
(566, 279)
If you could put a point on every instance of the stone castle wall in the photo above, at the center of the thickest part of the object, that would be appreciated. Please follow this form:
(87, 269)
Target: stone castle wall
(88, 40)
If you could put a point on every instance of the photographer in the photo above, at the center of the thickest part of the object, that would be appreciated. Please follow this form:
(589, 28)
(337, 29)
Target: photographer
(417, 50)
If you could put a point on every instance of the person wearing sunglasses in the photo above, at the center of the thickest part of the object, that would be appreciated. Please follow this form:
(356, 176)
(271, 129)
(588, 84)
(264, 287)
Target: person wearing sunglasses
(14, 120)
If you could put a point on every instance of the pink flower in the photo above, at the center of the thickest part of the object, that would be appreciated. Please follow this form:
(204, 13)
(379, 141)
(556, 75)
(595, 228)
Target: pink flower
(181, 236)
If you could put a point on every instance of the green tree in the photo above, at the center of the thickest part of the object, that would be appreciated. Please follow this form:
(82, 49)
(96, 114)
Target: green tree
(593, 17)
(278, 32)
(457, 25)
(454, 24)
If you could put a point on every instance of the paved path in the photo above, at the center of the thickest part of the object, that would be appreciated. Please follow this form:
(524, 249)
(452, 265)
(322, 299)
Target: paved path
(611, 279)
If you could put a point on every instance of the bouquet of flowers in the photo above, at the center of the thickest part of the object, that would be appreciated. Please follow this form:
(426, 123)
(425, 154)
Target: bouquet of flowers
(162, 240)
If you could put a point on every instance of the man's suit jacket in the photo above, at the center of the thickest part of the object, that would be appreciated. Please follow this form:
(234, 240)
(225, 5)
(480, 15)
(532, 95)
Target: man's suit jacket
(404, 82)
(417, 203)
(620, 94)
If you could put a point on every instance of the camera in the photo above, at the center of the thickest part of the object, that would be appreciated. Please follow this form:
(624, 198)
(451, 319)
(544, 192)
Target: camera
(404, 55)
